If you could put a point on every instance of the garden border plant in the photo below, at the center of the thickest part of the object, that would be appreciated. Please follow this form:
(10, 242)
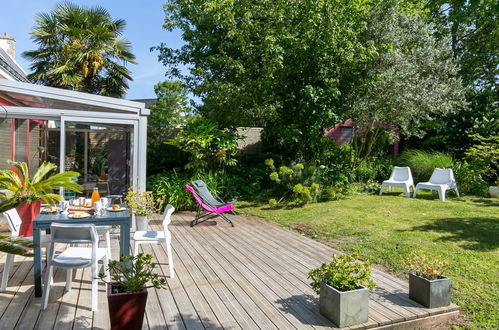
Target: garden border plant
(427, 283)
(343, 286)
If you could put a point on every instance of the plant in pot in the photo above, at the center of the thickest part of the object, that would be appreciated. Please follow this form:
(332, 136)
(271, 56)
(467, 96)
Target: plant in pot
(127, 293)
(427, 285)
(343, 286)
(25, 192)
(142, 205)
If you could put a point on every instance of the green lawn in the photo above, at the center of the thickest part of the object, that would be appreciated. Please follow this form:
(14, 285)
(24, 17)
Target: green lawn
(387, 228)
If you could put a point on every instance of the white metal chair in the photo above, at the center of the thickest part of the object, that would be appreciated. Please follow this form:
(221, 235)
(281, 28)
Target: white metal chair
(441, 180)
(75, 257)
(400, 177)
(14, 223)
(158, 237)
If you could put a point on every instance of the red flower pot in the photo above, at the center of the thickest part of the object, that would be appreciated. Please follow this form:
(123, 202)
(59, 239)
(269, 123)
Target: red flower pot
(28, 212)
(126, 309)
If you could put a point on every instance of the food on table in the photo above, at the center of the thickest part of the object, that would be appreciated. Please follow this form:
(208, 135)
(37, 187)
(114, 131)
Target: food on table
(51, 209)
(116, 207)
(73, 209)
(80, 215)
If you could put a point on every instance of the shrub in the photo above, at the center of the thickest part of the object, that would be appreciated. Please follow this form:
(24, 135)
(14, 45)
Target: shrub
(169, 188)
(422, 163)
(344, 273)
(209, 147)
(424, 266)
(298, 181)
(470, 179)
(334, 193)
(374, 169)
(484, 157)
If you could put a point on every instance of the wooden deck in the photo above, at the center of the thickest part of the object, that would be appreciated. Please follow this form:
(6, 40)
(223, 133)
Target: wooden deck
(252, 276)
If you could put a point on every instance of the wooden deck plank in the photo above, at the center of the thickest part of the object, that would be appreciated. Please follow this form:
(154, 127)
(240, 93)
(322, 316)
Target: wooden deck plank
(20, 269)
(184, 265)
(48, 317)
(269, 270)
(84, 315)
(251, 276)
(242, 317)
(261, 313)
(22, 295)
(68, 302)
(265, 288)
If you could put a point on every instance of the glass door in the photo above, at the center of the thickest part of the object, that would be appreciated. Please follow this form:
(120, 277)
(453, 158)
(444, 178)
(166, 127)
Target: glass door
(102, 152)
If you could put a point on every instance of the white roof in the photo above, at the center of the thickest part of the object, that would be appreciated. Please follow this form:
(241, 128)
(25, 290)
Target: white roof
(37, 96)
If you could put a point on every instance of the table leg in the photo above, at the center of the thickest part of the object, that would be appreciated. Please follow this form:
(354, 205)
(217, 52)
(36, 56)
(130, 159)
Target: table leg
(125, 239)
(37, 268)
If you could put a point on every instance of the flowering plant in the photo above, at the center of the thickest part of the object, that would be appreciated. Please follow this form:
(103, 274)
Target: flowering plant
(297, 180)
(140, 203)
(424, 266)
(344, 273)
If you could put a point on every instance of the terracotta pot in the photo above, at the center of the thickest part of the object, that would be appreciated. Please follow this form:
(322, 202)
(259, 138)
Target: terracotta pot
(126, 309)
(28, 212)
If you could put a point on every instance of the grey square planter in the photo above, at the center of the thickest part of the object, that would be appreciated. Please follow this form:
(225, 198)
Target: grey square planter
(431, 294)
(344, 308)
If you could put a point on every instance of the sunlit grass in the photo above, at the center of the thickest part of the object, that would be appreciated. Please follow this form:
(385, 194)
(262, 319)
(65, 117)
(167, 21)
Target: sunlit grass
(387, 228)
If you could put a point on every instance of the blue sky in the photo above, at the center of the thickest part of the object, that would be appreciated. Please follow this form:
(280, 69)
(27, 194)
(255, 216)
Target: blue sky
(144, 29)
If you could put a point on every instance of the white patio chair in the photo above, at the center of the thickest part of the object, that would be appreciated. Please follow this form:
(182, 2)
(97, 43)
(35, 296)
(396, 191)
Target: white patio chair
(75, 257)
(14, 222)
(441, 180)
(400, 177)
(158, 237)
(105, 230)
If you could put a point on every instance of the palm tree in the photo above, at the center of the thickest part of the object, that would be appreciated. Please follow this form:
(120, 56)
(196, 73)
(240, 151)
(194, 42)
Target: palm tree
(17, 187)
(80, 49)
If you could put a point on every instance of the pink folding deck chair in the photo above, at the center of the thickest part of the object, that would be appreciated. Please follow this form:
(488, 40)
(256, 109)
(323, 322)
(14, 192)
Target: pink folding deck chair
(208, 206)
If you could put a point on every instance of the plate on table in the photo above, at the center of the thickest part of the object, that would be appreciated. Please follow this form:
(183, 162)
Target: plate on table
(79, 215)
(50, 209)
(115, 209)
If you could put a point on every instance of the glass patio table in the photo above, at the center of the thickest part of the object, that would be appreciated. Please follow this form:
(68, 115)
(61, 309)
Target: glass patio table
(109, 218)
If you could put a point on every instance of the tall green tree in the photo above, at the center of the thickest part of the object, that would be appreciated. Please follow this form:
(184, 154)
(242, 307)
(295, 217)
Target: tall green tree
(167, 116)
(81, 49)
(169, 111)
(298, 67)
(412, 78)
(473, 29)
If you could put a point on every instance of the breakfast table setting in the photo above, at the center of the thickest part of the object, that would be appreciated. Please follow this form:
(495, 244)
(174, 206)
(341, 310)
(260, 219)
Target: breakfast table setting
(79, 211)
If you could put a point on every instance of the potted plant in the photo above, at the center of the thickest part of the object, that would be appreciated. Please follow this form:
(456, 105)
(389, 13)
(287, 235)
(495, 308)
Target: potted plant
(343, 286)
(127, 291)
(25, 192)
(427, 285)
(141, 204)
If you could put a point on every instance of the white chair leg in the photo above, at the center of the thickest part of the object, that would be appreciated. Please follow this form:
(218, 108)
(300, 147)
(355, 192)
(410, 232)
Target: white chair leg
(95, 286)
(441, 194)
(69, 279)
(170, 258)
(457, 192)
(108, 243)
(105, 262)
(6, 271)
(136, 248)
(415, 191)
(46, 288)
(381, 189)
(407, 191)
